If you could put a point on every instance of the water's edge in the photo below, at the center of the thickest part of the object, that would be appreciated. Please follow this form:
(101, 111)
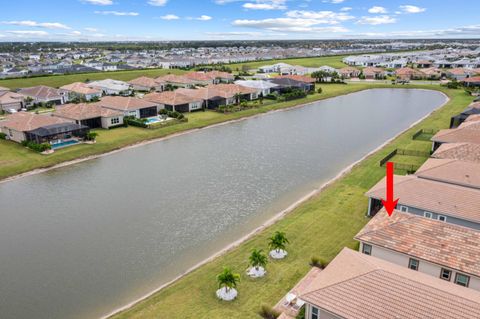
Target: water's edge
(280, 215)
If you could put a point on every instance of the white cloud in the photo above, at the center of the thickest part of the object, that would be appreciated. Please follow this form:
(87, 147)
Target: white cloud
(412, 9)
(289, 25)
(376, 20)
(265, 5)
(170, 17)
(117, 13)
(346, 9)
(333, 1)
(91, 29)
(76, 33)
(28, 33)
(47, 25)
(99, 2)
(472, 31)
(377, 9)
(203, 18)
(327, 17)
(157, 3)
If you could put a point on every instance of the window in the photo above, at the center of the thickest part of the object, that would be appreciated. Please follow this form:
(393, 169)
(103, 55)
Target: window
(462, 280)
(366, 249)
(115, 120)
(442, 218)
(427, 214)
(315, 314)
(445, 274)
(404, 209)
(413, 264)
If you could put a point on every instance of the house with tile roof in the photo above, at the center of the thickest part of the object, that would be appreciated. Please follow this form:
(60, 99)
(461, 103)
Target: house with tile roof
(451, 171)
(44, 94)
(147, 84)
(467, 132)
(177, 81)
(437, 200)
(442, 250)
(355, 285)
(82, 90)
(130, 106)
(175, 101)
(40, 128)
(11, 101)
(92, 115)
(459, 151)
(262, 87)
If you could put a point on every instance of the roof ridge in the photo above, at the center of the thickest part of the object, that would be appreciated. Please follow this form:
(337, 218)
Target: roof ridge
(449, 161)
(404, 219)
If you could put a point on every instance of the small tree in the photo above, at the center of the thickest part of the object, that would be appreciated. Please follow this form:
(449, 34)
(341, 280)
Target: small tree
(319, 90)
(228, 279)
(258, 259)
(278, 241)
(91, 136)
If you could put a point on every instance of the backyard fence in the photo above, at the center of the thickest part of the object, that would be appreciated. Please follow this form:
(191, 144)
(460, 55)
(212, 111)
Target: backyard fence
(424, 134)
(388, 157)
(412, 153)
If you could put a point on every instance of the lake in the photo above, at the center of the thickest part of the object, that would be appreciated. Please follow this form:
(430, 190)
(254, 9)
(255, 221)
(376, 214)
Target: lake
(82, 240)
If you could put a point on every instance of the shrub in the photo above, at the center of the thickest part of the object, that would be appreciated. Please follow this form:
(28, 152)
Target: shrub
(91, 136)
(37, 147)
(318, 262)
(268, 312)
(133, 121)
(319, 90)
(3, 136)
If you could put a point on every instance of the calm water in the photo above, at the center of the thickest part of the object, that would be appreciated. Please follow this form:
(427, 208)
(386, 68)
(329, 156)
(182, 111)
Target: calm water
(79, 241)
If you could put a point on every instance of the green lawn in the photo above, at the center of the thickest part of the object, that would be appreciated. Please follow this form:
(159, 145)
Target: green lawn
(320, 227)
(60, 80)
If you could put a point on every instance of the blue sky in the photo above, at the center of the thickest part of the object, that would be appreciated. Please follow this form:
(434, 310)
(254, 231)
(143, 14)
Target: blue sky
(102, 20)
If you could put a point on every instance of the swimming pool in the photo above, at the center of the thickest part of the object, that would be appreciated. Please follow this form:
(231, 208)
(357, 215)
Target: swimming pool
(64, 144)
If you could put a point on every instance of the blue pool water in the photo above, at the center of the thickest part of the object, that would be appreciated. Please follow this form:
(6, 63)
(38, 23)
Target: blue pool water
(63, 144)
(152, 120)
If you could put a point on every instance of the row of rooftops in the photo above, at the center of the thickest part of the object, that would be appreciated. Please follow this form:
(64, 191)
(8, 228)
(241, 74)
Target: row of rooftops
(361, 285)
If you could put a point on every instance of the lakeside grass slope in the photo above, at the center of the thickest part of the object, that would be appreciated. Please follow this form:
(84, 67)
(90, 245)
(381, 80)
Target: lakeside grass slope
(320, 227)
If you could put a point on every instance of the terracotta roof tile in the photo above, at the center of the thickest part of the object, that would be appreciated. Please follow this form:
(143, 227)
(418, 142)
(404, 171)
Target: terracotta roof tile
(441, 243)
(26, 121)
(442, 198)
(85, 111)
(461, 151)
(357, 286)
(451, 171)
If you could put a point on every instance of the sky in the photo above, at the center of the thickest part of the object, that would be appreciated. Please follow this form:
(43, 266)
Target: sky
(160, 20)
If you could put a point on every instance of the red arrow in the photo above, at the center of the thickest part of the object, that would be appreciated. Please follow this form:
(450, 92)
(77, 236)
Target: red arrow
(389, 204)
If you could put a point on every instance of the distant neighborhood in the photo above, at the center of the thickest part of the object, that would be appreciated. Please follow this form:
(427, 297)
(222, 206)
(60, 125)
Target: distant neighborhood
(65, 115)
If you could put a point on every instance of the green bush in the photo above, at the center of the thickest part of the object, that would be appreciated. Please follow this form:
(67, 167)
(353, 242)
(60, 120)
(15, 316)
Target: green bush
(37, 147)
(318, 262)
(91, 136)
(319, 90)
(133, 121)
(271, 96)
(3, 136)
(172, 114)
(268, 312)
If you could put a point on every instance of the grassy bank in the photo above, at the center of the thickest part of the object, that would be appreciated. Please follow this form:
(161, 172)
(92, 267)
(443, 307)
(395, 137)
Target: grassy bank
(320, 227)
(60, 80)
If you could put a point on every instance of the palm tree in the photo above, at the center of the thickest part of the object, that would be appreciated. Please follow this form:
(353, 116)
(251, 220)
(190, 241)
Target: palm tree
(258, 259)
(227, 279)
(278, 241)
